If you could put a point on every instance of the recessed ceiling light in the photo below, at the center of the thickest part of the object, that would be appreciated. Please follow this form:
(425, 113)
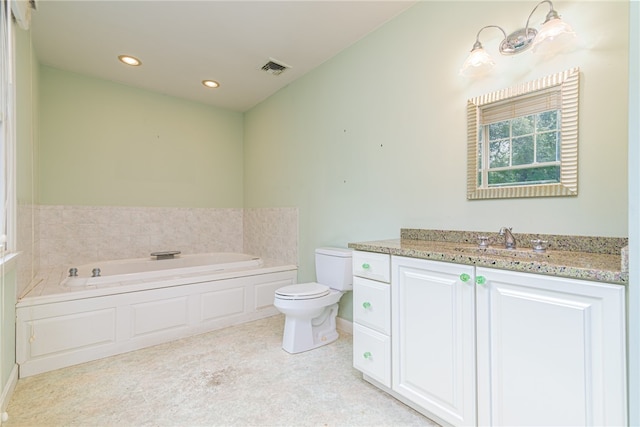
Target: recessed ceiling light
(211, 83)
(130, 60)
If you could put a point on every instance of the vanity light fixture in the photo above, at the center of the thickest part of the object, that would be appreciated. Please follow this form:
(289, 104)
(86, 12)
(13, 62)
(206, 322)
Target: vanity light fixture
(129, 60)
(553, 30)
(211, 84)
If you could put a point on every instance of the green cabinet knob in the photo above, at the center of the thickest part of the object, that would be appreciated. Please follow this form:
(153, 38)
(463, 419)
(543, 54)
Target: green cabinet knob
(366, 266)
(367, 355)
(465, 277)
(481, 280)
(366, 305)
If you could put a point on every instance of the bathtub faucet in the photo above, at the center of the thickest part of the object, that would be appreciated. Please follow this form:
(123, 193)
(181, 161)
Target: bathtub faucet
(95, 272)
(165, 254)
(73, 272)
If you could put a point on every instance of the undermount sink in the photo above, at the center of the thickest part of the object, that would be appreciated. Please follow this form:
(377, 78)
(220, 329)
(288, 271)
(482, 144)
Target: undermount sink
(493, 251)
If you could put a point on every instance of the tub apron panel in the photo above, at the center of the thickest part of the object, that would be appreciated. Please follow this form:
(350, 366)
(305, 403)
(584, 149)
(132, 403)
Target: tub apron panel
(54, 333)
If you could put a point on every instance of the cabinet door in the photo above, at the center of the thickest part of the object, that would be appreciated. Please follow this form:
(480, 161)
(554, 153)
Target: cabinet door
(551, 351)
(433, 330)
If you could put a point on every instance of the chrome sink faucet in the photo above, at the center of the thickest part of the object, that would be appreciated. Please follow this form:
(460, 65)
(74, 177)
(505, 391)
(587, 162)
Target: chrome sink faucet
(509, 240)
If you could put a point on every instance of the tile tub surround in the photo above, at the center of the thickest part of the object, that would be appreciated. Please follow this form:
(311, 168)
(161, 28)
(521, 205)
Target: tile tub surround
(272, 233)
(578, 257)
(82, 234)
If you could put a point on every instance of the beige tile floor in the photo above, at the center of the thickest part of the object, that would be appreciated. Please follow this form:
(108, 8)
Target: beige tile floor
(237, 376)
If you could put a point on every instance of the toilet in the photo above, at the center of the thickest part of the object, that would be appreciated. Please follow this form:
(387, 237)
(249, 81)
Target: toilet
(310, 309)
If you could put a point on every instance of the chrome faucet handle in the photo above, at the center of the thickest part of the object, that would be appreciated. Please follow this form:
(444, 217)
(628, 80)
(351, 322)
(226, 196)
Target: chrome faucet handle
(539, 246)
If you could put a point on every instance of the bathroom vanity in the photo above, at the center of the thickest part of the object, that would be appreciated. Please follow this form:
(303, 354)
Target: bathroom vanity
(487, 336)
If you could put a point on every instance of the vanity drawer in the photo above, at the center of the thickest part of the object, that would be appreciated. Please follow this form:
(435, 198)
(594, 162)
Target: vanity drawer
(372, 266)
(372, 354)
(372, 304)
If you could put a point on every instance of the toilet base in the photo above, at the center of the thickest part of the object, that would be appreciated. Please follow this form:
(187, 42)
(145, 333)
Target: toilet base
(306, 334)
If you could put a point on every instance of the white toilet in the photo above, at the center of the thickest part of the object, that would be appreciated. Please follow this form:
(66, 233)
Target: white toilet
(311, 308)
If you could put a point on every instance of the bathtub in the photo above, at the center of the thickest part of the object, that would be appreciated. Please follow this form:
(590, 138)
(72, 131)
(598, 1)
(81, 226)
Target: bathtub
(140, 269)
(137, 303)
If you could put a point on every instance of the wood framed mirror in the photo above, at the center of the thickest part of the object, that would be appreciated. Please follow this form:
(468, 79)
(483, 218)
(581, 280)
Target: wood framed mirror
(523, 141)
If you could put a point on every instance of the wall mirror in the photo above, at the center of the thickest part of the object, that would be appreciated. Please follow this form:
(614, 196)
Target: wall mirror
(523, 141)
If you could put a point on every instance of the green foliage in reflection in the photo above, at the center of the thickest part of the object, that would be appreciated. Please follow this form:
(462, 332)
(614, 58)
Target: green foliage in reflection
(521, 141)
(522, 150)
(527, 176)
(547, 121)
(547, 147)
(523, 125)
(499, 130)
(499, 153)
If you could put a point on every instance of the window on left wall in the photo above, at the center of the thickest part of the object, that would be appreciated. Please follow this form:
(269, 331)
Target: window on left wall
(7, 130)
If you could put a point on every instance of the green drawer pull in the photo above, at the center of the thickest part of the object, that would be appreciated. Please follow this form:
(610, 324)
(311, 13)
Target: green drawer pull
(481, 280)
(366, 305)
(465, 277)
(367, 355)
(366, 266)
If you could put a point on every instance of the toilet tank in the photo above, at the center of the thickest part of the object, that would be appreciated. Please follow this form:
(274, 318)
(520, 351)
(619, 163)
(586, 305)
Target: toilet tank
(334, 268)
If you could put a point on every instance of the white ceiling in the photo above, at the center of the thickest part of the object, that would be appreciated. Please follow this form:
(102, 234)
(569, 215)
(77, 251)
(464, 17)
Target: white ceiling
(184, 42)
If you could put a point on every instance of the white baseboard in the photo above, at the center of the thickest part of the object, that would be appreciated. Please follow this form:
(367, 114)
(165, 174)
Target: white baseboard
(343, 325)
(8, 390)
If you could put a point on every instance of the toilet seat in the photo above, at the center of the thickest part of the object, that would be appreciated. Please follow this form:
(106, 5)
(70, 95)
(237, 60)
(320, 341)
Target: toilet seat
(303, 291)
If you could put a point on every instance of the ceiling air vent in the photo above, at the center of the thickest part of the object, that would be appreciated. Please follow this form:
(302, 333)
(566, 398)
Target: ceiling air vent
(275, 68)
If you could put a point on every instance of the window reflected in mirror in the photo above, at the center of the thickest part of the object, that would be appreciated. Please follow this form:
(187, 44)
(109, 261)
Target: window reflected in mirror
(523, 140)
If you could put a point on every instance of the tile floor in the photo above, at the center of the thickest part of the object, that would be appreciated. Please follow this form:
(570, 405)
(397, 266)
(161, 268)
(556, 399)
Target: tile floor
(237, 376)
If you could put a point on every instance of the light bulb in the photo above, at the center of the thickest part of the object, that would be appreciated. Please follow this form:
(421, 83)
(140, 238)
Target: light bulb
(478, 62)
(554, 36)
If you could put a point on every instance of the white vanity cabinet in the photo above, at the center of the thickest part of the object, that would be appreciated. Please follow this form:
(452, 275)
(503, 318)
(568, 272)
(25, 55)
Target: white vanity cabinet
(433, 330)
(468, 345)
(551, 351)
(372, 316)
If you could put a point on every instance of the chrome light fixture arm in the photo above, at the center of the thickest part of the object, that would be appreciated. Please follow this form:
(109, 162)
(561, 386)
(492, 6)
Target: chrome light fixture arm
(551, 15)
(519, 41)
(479, 61)
(477, 44)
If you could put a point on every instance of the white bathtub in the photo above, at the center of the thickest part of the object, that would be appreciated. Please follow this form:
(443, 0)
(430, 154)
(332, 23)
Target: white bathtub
(129, 270)
(139, 303)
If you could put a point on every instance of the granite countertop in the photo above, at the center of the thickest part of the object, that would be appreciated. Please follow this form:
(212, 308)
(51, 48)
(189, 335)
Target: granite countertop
(602, 259)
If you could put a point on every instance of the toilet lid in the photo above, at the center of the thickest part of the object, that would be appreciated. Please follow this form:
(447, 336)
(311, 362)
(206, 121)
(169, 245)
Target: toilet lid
(303, 291)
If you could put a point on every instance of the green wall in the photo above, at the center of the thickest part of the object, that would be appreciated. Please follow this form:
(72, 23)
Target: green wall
(103, 143)
(371, 141)
(375, 139)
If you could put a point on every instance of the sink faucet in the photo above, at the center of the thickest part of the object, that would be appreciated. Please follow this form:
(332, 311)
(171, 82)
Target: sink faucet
(509, 240)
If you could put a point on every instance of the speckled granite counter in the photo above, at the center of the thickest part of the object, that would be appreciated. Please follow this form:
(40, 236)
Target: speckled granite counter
(602, 259)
